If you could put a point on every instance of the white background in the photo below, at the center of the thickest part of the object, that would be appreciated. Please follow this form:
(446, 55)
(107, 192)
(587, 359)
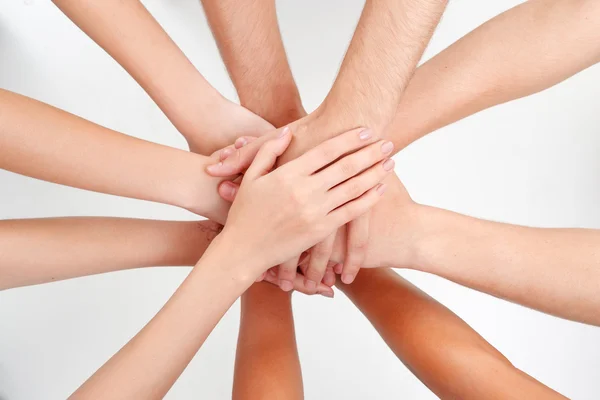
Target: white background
(533, 162)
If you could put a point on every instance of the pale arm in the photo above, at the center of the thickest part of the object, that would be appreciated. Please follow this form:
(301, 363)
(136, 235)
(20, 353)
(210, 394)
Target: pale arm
(129, 33)
(529, 48)
(555, 271)
(44, 142)
(445, 353)
(151, 362)
(35, 251)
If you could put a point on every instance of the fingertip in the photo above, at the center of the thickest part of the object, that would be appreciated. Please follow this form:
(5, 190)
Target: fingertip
(348, 278)
(228, 190)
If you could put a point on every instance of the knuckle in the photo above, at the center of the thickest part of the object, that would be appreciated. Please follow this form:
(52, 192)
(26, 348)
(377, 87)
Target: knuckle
(348, 167)
(354, 189)
(314, 274)
(326, 152)
(320, 253)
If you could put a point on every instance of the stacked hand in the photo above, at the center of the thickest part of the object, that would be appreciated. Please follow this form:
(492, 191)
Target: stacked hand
(317, 266)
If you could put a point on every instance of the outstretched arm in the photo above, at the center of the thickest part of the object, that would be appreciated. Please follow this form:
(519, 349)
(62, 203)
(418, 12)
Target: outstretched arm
(529, 48)
(266, 359)
(445, 353)
(51, 249)
(129, 33)
(555, 271)
(44, 142)
(249, 40)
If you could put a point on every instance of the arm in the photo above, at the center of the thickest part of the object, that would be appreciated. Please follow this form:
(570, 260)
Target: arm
(37, 251)
(266, 362)
(555, 271)
(59, 147)
(529, 48)
(291, 209)
(445, 353)
(129, 33)
(250, 43)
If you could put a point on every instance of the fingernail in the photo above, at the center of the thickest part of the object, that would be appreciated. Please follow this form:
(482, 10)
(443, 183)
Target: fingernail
(310, 285)
(338, 268)
(347, 278)
(381, 188)
(388, 165)
(387, 147)
(284, 132)
(327, 294)
(214, 168)
(285, 285)
(241, 142)
(272, 273)
(364, 134)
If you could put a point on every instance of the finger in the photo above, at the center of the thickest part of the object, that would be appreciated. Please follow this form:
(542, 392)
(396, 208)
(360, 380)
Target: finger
(338, 268)
(355, 187)
(287, 274)
(353, 164)
(242, 141)
(319, 258)
(329, 278)
(228, 190)
(267, 155)
(241, 159)
(332, 149)
(298, 285)
(356, 248)
(355, 208)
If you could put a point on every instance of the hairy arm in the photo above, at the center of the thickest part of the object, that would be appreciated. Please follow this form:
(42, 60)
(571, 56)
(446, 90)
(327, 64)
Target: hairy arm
(35, 251)
(249, 40)
(528, 48)
(129, 33)
(62, 148)
(445, 353)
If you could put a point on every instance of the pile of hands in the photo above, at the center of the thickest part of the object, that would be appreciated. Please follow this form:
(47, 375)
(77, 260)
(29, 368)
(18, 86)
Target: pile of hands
(300, 209)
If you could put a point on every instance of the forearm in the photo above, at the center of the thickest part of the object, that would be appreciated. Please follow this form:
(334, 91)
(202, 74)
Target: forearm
(267, 364)
(445, 353)
(388, 43)
(529, 48)
(249, 40)
(37, 251)
(552, 270)
(129, 34)
(150, 363)
(62, 148)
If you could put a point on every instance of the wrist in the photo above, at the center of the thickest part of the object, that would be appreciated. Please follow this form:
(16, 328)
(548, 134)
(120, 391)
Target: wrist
(230, 262)
(279, 105)
(245, 260)
(196, 191)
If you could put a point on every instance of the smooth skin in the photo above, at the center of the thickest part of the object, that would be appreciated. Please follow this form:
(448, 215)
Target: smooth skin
(392, 35)
(443, 351)
(130, 35)
(285, 216)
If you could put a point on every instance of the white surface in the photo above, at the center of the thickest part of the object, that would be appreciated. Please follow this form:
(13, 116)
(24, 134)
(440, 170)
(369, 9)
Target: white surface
(533, 162)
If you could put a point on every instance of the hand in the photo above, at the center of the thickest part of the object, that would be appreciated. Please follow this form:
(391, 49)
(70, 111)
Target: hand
(284, 212)
(239, 122)
(307, 132)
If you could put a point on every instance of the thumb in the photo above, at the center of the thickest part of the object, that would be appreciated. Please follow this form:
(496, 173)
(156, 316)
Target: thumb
(267, 155)
(228, 190)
